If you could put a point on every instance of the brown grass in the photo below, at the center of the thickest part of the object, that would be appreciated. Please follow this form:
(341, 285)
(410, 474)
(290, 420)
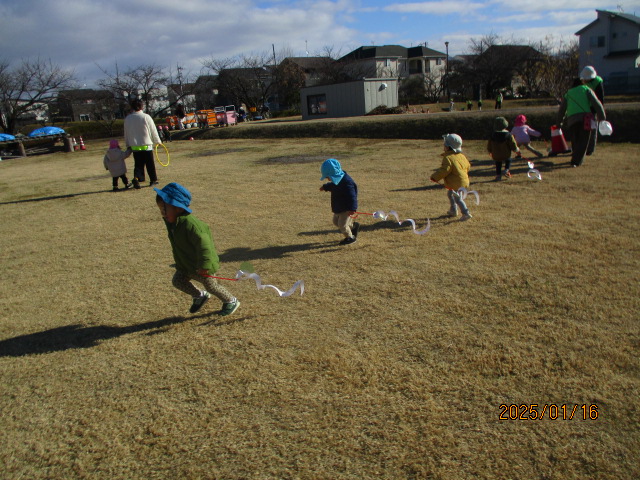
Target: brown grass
(394, 362)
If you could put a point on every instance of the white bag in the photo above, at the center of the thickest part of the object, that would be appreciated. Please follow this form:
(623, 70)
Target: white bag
(605, 128)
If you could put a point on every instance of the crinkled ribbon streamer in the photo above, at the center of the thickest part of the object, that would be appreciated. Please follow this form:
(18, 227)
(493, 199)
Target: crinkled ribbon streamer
(463, 192)
(383, 216)
(533, 171)
(242, 275)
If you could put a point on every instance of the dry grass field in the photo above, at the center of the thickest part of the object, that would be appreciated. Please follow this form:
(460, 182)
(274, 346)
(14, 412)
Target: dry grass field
(407, 356)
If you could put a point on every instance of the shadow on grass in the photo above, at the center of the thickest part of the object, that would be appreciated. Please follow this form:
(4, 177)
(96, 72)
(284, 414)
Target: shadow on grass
(56, 197)
(242, 254)
(77, 336)
(378, 225)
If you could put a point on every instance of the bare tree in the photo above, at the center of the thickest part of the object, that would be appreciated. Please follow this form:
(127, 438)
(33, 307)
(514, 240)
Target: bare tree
(121, 88)
(559, 68)
(27, 87)
(248, 79)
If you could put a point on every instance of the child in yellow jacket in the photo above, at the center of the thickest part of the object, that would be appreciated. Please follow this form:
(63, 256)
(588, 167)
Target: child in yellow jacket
(455, 172)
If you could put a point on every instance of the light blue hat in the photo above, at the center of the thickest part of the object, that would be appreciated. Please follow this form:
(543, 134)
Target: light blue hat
(176, 195)
(331, 168)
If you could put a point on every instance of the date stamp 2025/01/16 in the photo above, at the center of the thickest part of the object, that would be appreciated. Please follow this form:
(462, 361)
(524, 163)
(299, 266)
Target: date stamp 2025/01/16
(551, 411)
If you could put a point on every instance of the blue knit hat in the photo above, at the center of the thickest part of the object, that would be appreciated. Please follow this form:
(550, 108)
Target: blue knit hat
(331, 168)
(176, 195)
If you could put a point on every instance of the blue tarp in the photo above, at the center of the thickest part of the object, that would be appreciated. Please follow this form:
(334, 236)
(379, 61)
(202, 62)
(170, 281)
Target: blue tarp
(5, 136)
(44, 131)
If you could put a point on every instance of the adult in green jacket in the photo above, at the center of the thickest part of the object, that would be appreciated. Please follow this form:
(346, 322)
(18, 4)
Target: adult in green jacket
(590, 78)
(575, 114)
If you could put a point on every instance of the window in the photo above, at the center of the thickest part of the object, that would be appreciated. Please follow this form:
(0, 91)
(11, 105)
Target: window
(596, 41)
(317, 104)
(84, 117)
(438, 61)
(387, 62)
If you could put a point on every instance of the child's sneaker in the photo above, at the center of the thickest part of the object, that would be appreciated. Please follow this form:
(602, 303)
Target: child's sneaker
(229, 308)
(198, 302)
(128, 186)
(507, 174)
(355, 229)
(348, 241)
(136, 184)
(465, 217)
(497, 179)
(453, 212)
(116, 189)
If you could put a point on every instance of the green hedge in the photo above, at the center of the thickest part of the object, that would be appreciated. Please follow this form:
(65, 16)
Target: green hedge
(472, 125)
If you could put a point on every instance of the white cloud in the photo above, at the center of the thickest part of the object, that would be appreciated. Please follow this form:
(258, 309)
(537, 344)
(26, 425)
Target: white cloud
(436, 8)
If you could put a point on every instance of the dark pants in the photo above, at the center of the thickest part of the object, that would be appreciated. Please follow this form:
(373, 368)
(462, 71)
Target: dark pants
(124, 179)
(579, 142)
(592, 142)
(142, 159)
(507, 166)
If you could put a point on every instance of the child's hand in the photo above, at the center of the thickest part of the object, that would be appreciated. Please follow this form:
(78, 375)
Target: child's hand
(322, 188)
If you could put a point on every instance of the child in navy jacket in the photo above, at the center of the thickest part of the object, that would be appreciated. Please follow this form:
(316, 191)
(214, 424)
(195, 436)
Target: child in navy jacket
(344, 199)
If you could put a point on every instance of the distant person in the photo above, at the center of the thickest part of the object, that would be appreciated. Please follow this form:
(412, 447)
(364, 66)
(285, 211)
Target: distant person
(451, 105)
(480, 104)
(590, 78)
(455, 173)
(469, 105)
(166, 133)
(523, 133)
(499, 99)
(114, 162)
(575, 113)
(344, 199)
(500, 145)
(140, 135)
(193, 250)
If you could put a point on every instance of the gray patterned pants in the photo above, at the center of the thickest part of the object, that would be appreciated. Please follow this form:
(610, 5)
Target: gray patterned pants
(182, 281)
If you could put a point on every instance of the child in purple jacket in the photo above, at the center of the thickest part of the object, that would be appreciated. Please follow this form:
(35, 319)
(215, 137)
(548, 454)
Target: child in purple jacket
(523, 133)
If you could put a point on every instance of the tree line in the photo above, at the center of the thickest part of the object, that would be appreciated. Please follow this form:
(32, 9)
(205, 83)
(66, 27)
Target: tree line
(545, 68)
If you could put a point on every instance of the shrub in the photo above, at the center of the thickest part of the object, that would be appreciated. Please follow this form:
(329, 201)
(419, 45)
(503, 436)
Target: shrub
(384, 110)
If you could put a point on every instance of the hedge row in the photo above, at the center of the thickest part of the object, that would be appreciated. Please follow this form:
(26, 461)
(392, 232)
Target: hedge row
(473, 125)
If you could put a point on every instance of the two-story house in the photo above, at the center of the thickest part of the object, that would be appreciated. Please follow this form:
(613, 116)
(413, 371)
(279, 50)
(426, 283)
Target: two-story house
(395, 61)
(611, 44)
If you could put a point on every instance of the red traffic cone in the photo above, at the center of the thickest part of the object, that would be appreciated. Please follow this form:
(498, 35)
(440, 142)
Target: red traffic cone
(558, 143)
(82, 147)
(75, 144)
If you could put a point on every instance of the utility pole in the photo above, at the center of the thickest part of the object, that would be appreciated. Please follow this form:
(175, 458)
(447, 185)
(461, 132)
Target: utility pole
(446, 70)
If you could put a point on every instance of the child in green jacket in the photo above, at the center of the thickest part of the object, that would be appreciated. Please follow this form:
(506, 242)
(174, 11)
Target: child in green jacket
(193, 249)
(500, 145)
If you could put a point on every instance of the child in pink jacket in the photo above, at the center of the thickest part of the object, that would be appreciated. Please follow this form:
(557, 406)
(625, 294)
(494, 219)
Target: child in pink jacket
(523, 133)
(114, 161)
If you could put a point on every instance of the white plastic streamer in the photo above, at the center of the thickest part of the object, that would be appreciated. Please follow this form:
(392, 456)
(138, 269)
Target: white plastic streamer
(463, 192)
(383, 216)
(242, 275)
(533, 171)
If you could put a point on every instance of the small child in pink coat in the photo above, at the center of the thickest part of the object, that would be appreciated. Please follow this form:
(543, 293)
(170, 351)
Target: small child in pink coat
(523, 133)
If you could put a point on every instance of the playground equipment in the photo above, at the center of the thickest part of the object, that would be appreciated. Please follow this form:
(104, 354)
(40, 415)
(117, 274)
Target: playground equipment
(226, 116)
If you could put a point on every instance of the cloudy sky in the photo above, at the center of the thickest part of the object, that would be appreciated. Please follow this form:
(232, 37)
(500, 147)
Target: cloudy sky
(87, 35)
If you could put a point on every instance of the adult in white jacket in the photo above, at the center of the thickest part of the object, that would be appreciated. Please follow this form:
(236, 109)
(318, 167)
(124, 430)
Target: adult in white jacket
(140, 135)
